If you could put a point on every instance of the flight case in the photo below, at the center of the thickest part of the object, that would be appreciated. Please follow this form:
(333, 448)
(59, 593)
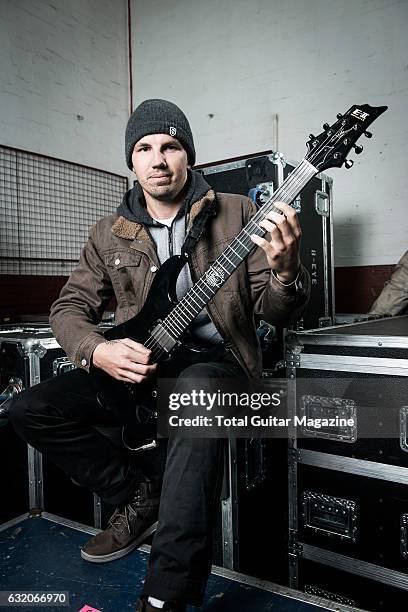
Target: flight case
(30, 354)
(251, 529)
(258, 176)
(348, 482)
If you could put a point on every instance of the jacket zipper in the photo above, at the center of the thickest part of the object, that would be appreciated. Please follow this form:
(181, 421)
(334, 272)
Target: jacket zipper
(170, 235)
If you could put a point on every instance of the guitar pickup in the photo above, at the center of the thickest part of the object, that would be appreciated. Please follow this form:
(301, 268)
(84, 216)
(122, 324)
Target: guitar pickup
(163, 338)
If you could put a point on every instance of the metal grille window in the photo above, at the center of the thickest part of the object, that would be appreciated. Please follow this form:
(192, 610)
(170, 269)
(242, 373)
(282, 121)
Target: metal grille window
(46, 208)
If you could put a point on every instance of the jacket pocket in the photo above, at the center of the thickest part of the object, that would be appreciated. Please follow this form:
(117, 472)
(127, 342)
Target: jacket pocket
(126, 275)
(122, 259)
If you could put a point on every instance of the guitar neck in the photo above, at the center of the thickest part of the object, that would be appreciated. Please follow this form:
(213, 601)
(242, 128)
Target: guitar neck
(190, 306)
(327, 150)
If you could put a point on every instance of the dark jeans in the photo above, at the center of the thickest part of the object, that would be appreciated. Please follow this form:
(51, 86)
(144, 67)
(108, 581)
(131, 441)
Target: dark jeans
(59, 417)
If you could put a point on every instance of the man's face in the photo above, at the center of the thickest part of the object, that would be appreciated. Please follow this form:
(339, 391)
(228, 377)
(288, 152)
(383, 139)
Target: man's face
(160, 164)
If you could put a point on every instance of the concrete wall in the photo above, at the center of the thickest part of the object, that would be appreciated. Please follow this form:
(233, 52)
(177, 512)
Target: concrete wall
(250, 76)
(64, 79)
(234, 66)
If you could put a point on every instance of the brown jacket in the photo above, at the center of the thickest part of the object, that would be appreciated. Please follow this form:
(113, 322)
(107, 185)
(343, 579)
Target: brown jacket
(120, 259)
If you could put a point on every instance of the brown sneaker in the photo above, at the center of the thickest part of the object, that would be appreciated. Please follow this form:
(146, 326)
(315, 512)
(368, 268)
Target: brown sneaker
(142, 605)
(128, 527)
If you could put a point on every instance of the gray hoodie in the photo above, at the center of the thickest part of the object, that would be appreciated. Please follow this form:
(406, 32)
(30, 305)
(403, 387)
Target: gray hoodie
(169, 238)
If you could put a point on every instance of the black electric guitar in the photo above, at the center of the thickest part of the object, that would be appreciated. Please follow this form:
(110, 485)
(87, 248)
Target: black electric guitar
(162, 323)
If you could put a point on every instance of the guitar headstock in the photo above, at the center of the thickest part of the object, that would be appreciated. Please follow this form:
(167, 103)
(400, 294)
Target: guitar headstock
(331, 147)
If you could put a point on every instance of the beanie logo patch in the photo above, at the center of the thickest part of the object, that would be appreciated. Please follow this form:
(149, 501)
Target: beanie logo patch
(173, 131)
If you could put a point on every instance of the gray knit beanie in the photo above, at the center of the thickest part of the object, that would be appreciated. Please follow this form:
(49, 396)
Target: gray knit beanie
(158, 117)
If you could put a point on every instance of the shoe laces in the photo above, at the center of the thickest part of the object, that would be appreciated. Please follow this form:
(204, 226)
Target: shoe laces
(122, 515)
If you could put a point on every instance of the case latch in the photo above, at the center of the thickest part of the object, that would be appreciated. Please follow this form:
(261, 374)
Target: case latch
(334, 517)
(322, 203)
(404, 428)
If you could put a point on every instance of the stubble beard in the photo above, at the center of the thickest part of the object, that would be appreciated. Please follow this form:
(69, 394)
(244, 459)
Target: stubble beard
(163, 193)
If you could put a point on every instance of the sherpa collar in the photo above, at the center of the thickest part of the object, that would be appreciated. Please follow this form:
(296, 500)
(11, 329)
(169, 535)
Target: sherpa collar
(124, 228)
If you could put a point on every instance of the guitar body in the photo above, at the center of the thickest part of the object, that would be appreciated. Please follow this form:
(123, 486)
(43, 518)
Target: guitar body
(134, 404)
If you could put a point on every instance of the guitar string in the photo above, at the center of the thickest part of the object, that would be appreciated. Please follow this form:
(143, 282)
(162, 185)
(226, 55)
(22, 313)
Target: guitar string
(296, 176)
(300, 172)
(170, 324)
(241, 249)
(235, 253)
(237, 249)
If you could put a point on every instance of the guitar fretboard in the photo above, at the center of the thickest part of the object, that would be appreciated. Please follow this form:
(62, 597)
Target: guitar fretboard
(190, 306)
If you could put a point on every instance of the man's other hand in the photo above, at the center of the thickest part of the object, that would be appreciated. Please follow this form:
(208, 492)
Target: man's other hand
(124, 360)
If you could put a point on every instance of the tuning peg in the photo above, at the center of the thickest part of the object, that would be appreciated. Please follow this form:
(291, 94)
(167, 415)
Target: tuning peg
(358, 149)
(312, 137)
(349, 163)
(326, 126)
(368, 134)
(339, 116)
